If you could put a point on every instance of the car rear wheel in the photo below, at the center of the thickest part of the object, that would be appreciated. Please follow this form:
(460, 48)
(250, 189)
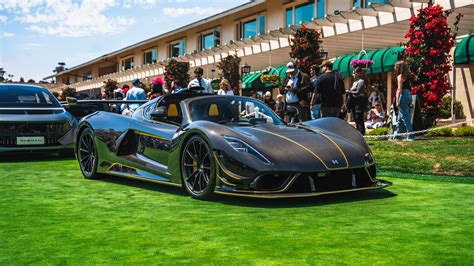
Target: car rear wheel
(87, 154)
(198, 169)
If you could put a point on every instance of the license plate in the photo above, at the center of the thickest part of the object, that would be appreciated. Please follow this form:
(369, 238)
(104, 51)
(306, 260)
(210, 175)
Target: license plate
(29, 140)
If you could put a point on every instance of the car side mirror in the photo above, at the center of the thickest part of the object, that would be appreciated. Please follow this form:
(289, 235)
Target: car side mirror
(159, 113)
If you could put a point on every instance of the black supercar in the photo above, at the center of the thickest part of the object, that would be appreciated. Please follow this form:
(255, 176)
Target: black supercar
(225, 145)
(31, 119)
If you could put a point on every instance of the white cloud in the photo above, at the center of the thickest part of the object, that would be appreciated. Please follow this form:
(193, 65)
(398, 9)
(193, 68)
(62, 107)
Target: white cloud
(32, 45)
(141, 3)
(3, 19)
(68, 17)
(184, 11)
(6, 34)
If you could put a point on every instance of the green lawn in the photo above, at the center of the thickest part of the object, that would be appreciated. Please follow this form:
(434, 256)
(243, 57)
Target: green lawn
(50, 214)
(445, 156)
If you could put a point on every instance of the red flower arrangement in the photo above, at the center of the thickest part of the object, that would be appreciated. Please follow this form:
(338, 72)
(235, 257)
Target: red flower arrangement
(427, 55)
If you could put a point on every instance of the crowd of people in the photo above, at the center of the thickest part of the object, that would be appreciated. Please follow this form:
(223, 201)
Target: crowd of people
(320, 94)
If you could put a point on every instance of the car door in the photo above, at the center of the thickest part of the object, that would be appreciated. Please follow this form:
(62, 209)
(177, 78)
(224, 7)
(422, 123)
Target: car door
(155, 137)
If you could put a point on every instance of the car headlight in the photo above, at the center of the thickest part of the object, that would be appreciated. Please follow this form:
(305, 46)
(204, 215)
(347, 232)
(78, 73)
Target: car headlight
(241, 146)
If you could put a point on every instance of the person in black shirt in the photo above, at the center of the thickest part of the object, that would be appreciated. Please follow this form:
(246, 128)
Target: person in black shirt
(331, 91)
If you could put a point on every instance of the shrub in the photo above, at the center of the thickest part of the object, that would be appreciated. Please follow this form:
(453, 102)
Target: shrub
(466, 131)
(441, 132)
(378, 131)
(445, 108)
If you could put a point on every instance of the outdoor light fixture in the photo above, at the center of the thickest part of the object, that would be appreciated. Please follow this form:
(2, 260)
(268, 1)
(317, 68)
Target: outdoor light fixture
(245, 69)
(324, 54)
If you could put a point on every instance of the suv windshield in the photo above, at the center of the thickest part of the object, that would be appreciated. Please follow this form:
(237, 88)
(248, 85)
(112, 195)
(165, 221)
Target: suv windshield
(21, 97)
(228, 109)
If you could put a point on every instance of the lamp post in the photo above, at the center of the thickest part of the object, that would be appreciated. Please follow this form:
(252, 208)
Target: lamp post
(324, 54)
(245, 69)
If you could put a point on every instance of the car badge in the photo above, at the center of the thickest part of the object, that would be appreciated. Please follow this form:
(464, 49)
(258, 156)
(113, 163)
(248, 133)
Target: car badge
(335, 162)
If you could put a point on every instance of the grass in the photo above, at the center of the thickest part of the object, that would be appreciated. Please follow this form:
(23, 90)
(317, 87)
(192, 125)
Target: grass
(443, 156)
(50, 214)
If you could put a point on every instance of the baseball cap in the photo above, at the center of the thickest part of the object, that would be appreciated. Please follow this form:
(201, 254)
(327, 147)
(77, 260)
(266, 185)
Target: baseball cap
(290, 67)
(136, 81)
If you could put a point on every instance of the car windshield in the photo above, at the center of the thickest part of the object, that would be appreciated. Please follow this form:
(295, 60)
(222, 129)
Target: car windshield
(228, 109)
(21, 97)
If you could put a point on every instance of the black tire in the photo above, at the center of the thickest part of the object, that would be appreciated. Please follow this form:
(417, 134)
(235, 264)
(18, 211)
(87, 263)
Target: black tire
(87, 154)
(198, 171)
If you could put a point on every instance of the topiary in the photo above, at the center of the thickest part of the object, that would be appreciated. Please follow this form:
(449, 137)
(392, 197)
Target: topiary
(177, 71)
(305, 48)
(230, 70)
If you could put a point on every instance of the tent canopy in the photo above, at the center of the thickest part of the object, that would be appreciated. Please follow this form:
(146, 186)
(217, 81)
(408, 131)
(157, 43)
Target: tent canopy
(384, 60)
(464, 52)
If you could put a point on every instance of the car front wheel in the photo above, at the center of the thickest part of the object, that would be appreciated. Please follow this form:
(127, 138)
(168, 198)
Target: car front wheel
(198, 169)
(87, 154)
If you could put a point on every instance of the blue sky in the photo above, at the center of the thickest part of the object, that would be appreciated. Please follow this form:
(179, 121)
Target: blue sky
(37, 34)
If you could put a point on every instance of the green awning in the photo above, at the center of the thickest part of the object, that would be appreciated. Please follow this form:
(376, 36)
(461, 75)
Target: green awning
(464, 52)
(384, 60)
(280, 71)
(252, 81)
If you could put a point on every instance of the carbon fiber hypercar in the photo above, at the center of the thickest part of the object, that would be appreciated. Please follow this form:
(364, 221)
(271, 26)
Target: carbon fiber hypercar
(227, 145)
(31, 119)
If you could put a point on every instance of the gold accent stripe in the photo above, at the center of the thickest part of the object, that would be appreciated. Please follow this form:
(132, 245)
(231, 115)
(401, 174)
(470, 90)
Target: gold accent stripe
(301, 195)
(226, 171)
(338, 147)
(224, 181)
(296, 143)
(148, 135)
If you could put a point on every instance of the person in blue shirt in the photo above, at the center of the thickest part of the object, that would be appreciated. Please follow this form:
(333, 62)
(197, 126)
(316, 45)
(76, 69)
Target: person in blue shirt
(297, 87)
(136, 93)
(176, 87)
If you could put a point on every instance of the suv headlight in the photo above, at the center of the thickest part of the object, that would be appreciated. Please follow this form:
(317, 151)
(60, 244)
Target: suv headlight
(241, 146)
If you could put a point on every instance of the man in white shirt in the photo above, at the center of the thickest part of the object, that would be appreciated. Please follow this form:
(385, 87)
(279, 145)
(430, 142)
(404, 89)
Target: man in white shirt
(136, 93)
(199, 81)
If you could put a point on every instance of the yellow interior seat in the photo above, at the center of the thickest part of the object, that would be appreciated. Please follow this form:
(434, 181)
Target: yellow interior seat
(172, 110)
(213, 110)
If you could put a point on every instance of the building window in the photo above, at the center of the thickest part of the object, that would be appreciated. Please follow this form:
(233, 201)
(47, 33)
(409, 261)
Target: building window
(149, 57)
(253, 27)
(305, 13)
(210, 39)
(289, 16)
(177, 49)
(249, 29)
(127, 63)
(365, 3)
(321, 9)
